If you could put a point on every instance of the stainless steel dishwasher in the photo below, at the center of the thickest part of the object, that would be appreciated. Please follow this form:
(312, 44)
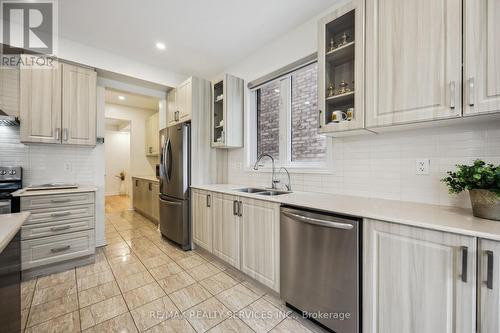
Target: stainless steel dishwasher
(320, 272)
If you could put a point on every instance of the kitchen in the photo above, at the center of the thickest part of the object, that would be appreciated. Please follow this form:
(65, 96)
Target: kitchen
(298, 165)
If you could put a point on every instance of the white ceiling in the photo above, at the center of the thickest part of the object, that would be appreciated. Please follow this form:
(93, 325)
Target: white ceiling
(132, 100)
(202, 36)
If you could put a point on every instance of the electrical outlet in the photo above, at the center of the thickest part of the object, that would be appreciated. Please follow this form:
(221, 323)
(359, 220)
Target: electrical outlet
(422, 166)
(68, 167)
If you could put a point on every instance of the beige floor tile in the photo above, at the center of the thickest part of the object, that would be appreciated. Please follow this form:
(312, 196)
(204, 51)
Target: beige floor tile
(98, 294)
(163, 271)
(143, 295)
(177, 254)
(219, 264)
(189, 296)
(153, 313)
(95, 268)
(102, 311)
(116, 239)
(52, 309)
(131, 282)
(24, 318)
(67, 323)
(175, 282)
(251, 315)
(203, 271)
(94, 280)
(156, 261)
(218, 283)
(27, 296)
(255, 287)
(129, 269)
(173, 325)
(206, 315)
(117, 252)
(290, 326)
(123, 261)
(275, 300)
(191, 261)
(28, 284)
(55, 279)
(120, 324)
(237, 297)
(54, 292)
(235, 274)
(307, 323)
(231, 325)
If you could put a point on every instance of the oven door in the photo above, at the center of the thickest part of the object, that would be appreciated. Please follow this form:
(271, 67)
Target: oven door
(5, 206)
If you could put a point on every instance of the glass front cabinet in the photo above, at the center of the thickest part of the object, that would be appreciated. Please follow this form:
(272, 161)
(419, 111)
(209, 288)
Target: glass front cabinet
(340, 66)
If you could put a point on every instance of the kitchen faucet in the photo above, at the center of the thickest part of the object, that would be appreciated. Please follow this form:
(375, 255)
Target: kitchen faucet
(257, 165)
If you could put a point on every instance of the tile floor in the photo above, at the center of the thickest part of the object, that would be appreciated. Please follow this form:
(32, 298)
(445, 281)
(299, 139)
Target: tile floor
(140, 282)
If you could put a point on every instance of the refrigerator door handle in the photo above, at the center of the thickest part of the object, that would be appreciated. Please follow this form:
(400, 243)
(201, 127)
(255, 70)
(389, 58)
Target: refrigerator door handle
(167, 160)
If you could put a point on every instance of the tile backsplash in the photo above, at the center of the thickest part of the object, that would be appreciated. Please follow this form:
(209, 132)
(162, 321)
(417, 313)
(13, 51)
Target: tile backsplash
(383, 165)
(47, 163)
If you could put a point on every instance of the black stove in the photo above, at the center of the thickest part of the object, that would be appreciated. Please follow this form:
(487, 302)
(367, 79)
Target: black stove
(11, 180)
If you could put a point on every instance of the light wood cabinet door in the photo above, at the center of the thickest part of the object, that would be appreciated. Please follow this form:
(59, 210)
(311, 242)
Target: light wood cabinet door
(202, 219)
(155, 212)
(152, 135)
(417, 280)
(481, 56)
(139, 194)
(185, 100)
(226, 232)
(40, 103)
(9, 91)
(488, 286)
(171, 107)
(260, 241)
(79, 111)
(413, 61)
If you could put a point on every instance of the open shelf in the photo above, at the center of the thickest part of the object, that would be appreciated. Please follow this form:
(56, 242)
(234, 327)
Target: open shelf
(341, 98)
(341, 54)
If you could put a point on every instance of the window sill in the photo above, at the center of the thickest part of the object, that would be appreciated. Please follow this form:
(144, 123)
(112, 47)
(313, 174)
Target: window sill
(293, 170)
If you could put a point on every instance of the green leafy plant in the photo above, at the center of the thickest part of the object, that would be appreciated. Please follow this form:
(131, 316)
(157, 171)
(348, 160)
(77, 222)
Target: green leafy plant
(473, 177)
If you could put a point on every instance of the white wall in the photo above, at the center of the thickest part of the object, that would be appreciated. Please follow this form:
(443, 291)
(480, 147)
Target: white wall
(140, 165)
(117, 152)
(379, 166)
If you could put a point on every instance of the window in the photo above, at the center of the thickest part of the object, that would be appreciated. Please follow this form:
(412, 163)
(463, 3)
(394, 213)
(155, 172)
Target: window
(286, 116)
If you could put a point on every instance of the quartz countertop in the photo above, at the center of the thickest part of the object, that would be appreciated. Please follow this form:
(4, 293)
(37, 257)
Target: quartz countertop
(442, 218)
(81, 189)
(9, 226)
(150, 178)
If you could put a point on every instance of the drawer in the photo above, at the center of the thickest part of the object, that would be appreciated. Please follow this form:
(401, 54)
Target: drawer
(60, 214)
(53, 249)
(57, 227)
(58, 200)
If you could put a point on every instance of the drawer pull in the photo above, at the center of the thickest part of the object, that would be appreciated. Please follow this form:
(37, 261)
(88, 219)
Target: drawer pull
(60, 200)
(64, 227)
(60, 249)
(60, 214)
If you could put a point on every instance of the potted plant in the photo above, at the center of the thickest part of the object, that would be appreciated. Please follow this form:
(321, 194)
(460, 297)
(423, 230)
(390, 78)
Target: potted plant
(483, 183)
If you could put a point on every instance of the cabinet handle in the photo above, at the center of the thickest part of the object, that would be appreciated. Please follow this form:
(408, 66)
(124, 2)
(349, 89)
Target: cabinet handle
(471, 91)
(64, 227)
(176, 115)
(60, 214)
(150, 186)
(319, 118)
(65, 134)
(209, 199)
(489, 270)
(58, 134)
(136, 182)
(235, 207)
(465, 256)
(60, 249)
(240, 210)
(452, 95)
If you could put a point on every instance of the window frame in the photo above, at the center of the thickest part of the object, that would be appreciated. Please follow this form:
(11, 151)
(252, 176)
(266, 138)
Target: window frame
(285, 133)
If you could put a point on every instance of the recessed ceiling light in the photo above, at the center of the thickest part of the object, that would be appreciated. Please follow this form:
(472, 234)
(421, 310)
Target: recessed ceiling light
(160, 46)
(121, 98)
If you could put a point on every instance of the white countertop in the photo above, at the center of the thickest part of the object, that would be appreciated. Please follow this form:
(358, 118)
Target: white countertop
(443, 218)
(150, 178)
(9, 226)
(80, 189)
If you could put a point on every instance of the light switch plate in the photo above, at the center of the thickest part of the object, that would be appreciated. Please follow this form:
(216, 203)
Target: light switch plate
(422, 166)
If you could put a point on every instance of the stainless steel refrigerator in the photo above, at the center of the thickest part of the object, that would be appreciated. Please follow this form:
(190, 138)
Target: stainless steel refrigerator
(175, 166)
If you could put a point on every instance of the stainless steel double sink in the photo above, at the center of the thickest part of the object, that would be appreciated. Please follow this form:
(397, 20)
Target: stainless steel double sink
(260, 191)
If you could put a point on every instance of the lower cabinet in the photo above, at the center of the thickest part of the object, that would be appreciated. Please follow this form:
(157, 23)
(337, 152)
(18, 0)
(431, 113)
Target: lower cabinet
(145, 198)
(226, 224)
(260, 241)
(202, 219)
(488, 286)
(418, 280)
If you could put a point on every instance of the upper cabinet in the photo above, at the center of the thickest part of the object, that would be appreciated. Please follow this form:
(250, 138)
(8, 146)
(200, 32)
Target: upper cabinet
(40, 103)
(9, 91)
(152, 135)
(481, 57)
(227, 112)
(414, 60)
(58, 104)
(78, 105)
(171, 107)
(341, 72)
(181, 101)
(184, 100)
